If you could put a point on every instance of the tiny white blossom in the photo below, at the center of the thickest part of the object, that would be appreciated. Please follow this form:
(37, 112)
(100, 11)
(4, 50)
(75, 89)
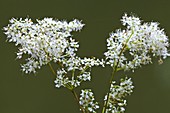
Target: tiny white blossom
(117, 102)
(141, 41)
(80, 69)
(87, 101)
(61, 79)
(44, 41)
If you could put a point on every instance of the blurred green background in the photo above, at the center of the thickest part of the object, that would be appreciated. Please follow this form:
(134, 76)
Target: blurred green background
(20, 93)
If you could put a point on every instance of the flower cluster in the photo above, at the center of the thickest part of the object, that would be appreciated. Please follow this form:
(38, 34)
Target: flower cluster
(75, 70)
(50, 40)
(136, 45)
(44, 41)
(87, 101)
(116, 100)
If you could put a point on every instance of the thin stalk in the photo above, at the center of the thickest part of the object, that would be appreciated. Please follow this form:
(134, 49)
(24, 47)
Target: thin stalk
(72, 89)
(108, 94)
(73, 73)
(77, 99)
(114, 71)
(124, 47)
(87, 67)
(52, 69)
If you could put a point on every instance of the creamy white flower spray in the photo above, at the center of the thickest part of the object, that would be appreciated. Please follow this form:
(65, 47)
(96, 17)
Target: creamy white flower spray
(50, 40)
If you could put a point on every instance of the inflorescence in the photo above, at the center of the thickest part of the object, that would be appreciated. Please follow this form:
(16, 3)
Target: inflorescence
(136, 45)
(50, 40)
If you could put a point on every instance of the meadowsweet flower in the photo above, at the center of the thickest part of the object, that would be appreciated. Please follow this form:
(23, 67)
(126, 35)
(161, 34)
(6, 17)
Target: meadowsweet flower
(87, 101)
(44, 41)
(80, 69)
(136, 45)
(50, 40)
(116, 101)
(61, 80)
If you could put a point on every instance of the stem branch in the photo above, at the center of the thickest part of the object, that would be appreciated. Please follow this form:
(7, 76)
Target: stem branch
(52, 69)
(77, 99)
(116, 64)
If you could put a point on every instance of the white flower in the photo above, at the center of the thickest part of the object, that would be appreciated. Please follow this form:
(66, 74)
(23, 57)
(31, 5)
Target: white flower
(87, 101)
(135, 46)
(92, 62)
(79, 68)
(117, 95)
(84, 77)
(130, 21)
(61, 79)
(44, 41)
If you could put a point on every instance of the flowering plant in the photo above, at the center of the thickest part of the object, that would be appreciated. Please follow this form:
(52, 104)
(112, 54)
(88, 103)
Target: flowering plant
(51, 40)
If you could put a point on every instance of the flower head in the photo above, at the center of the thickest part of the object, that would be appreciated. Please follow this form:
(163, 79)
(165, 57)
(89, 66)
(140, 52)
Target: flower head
(75, 70)
(136, 45)
(117, 102)
(87, 101)
(44, 41)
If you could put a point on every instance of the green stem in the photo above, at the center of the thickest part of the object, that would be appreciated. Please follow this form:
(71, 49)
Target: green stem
(108, 94)
(77, 99)
(71, 89)
(115, 67)
(73, 73)
(52, 69)
(86, 67)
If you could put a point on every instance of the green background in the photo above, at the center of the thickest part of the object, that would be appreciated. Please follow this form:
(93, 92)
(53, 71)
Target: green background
(20, 93)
